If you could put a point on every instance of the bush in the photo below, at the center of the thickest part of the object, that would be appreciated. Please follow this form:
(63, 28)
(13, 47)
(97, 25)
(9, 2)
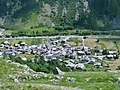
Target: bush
(34, 66)
(118, 67)
(105, 52)
(18, 59)
(44, 69)
(40, 65)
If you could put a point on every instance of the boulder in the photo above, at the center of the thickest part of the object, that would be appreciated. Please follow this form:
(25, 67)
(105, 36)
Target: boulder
(16, 80)
(57, 78)
(71, 79)
(0, 85)
(59, 71)
(87, 79)
(118, 81)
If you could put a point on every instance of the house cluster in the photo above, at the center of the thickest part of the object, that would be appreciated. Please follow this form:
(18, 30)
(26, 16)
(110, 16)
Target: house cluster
(73, 57)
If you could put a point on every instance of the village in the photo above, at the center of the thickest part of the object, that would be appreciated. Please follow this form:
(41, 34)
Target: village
(58, 49)
(57, 60)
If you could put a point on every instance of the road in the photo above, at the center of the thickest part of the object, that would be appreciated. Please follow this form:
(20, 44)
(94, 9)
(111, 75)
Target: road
(70, 36)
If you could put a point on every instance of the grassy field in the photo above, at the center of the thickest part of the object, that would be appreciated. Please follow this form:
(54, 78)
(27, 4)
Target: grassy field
(112, 43)
(32, 21)
(103, 80)
(40, 30)
(84, 80)
(103, 43)
(97, 81)
(30, 41)
(74, 42)
(25, 86)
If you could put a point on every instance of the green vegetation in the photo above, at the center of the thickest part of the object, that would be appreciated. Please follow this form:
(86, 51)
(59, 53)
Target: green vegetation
(40, 65)
(28, 41)
(96, 16)
(104, 43)
(25, 86)
(75, 40)
(96, 80)
(86, 80)
(115, 42)
(49, 31)
(43, 31)
(7, 69)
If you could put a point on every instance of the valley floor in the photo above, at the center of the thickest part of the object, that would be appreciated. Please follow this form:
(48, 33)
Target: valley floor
(83, 80)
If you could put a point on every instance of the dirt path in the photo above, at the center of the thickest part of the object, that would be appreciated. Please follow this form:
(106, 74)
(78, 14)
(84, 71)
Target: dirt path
(52, 87)
(59, 87)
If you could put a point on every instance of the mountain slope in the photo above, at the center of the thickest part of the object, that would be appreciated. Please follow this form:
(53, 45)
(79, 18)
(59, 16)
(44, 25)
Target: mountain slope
(93, 14)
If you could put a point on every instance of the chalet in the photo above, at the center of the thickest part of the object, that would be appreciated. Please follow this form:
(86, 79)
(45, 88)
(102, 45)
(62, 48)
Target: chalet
(87, 52)
(66, 46)
(112, 52)
(91, 61)
(80, 52)
(33, 46)
(69, 64)
(23, 44)
(80, 66)
(6, 46)
(9, 53)
(98, 65)
(6, 43)
(99, 57)
(79, 57)
(86, 48)
(17, 45)
(49, 56)
(110, 56)
(1, 46)
(84, 60)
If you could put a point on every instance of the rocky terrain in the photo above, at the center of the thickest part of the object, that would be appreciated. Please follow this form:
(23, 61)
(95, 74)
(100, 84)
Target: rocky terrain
(100, 14)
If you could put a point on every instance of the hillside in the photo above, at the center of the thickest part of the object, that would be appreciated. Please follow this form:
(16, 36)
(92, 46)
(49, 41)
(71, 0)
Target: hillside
(91, 14)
